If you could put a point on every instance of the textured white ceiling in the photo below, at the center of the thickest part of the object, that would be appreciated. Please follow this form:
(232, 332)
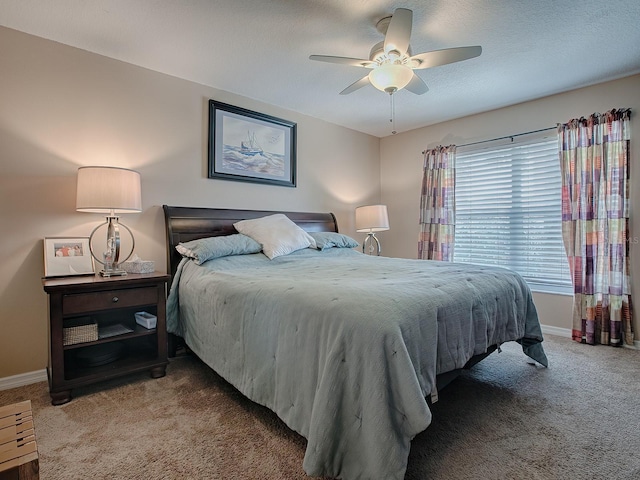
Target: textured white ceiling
(260, 48)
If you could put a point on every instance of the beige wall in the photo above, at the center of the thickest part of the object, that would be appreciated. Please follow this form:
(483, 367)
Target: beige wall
(61, 108)
(401, 169)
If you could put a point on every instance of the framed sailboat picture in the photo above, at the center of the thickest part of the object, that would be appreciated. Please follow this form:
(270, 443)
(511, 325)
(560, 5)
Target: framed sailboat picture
(249, 146)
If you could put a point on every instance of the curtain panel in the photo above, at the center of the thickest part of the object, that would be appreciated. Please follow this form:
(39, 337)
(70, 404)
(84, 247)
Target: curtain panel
(594, 161)
(437, 205)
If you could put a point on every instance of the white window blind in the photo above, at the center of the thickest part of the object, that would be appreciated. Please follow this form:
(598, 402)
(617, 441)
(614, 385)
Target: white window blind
(509, 211)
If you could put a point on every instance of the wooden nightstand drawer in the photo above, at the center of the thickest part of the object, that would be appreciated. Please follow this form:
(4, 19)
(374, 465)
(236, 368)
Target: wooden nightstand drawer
(95, 301)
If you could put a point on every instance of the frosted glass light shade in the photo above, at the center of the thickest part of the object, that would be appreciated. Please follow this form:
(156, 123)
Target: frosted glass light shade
(108, 189)
(372, 218)
(390, 77)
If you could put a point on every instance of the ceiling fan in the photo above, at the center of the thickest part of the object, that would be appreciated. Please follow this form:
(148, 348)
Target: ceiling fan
(391, 62)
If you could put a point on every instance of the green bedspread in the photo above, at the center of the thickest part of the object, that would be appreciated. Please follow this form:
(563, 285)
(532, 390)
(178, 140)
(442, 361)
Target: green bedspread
(345, 347)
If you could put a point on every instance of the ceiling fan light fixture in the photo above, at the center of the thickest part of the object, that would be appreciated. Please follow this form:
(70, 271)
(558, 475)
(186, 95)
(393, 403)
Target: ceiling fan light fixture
(390, 78)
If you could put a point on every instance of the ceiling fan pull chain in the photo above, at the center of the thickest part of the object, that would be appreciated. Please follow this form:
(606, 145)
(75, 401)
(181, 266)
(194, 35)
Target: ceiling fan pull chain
(393, 114)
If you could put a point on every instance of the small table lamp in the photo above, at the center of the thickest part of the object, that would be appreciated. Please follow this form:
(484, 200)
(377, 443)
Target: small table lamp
(371, 219)
(109, 190)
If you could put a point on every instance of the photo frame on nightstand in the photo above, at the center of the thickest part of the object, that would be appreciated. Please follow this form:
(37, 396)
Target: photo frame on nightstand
(66, 256)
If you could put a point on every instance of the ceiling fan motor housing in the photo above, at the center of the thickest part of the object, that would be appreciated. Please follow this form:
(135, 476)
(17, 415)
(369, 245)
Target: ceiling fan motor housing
(378, 55)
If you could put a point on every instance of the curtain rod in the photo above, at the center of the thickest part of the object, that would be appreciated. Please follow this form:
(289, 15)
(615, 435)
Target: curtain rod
(501, 138)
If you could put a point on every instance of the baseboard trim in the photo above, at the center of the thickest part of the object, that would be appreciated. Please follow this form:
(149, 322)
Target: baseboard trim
(41, 375)
(557, 331)
(23, 379)
(566, 332)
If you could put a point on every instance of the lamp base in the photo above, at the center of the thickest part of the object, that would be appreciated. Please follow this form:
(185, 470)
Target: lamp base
(374, 244)
(112, 273)
(111, 257)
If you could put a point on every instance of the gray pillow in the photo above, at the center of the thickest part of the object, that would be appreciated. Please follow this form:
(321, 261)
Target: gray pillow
(205, 249)
(326, 240)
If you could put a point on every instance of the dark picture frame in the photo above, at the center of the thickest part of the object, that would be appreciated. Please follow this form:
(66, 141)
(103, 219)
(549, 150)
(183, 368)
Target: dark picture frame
(248, 146)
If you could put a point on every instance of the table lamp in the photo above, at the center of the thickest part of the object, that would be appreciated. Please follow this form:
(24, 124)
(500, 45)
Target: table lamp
(113, 191)
(371, 219)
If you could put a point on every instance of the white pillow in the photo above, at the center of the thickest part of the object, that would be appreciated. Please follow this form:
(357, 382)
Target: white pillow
(277, 234)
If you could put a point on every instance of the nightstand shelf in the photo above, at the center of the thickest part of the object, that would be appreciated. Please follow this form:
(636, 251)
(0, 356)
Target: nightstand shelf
(138, 331)
(106, 302)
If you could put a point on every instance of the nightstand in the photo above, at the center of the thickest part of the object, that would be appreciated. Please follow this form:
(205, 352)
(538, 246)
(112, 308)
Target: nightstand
(105, 304)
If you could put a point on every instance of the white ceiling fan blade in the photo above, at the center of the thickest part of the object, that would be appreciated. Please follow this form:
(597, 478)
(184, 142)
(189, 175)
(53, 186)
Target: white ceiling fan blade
(355, 86)
(443, 57)
(399, 31)
(416, 85)
(354, 62)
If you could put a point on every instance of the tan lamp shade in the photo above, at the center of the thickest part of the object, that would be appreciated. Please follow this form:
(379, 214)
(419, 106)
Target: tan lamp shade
(372, 218)
(108, 189)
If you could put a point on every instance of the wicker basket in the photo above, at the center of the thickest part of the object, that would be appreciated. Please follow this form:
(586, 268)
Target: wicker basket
(80, 334)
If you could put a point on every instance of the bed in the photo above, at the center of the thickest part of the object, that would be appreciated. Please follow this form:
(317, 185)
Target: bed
(347, 349)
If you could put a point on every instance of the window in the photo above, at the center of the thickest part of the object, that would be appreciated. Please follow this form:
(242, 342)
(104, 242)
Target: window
(509, 211)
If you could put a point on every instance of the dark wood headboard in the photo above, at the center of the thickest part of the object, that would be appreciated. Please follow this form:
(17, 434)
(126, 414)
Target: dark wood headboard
(189, 223)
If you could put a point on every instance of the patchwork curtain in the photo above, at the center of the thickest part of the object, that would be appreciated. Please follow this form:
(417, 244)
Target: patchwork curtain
(437, 205)
(594, 161)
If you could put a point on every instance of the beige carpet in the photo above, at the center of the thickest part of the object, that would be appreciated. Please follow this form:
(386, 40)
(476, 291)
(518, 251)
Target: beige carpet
(505, 419)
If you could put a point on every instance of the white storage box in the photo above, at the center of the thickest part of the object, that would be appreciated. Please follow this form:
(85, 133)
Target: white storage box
(146, 319)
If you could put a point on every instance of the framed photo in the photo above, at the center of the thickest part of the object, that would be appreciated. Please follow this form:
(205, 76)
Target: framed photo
(249, 146)
(65, 256)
